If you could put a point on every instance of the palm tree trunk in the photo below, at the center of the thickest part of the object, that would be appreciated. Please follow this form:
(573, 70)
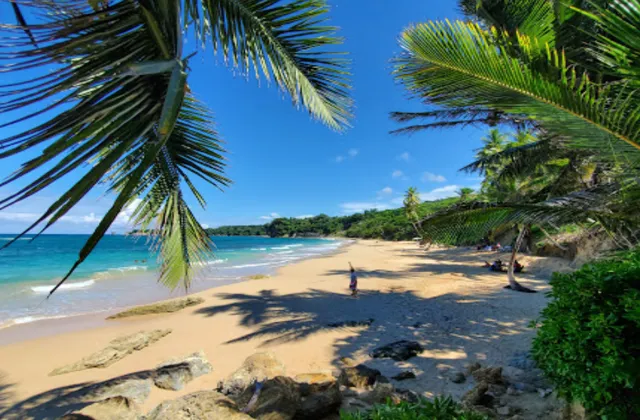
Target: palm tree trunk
(513, 284)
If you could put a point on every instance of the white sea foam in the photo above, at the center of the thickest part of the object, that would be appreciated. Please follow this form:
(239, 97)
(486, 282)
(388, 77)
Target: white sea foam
(284, 252)
(65, 286)
(215, 262)
(19, 239)
(250, 265)
(258, 249)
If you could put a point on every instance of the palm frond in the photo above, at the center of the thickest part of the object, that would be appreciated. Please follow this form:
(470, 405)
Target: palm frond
(456, 117)
(120, 84)
(458, 65)
(534, 18)
(618, 42)
(284, 41)
(471, 221)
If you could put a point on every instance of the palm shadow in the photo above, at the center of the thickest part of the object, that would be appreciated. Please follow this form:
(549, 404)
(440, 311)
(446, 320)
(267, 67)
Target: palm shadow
(453, 328)
(57, 402)
(6, 393)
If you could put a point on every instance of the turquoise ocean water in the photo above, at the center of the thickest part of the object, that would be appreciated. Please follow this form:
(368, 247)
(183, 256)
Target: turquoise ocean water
(122, 272)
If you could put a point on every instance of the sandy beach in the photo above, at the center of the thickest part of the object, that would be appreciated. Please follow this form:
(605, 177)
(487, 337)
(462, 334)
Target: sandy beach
(442, 298)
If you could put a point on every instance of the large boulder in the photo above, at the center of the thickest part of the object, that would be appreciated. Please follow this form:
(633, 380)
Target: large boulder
(136, 390)
(116, 350)
(273, 399)
(174, 374)
(323, 400)
(257, 367)
(202, 405)
(490, 375)
(381, 392)
(398, 350)
(114, 408)
(359, 376)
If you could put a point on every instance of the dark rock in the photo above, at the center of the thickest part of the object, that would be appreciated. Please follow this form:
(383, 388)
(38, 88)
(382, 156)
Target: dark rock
(473, 366)
(341, 324)
(399, 350)
(478, 396)
(114, 408)
(407, 395)
(174, 374)
(457, 377)
(202, 405)
(381, 391)
(277, 399)
(523, 387)
(404, 375)
(359, 376)
(325, 399)
(490, 375)
(258, 367)
(504, 411)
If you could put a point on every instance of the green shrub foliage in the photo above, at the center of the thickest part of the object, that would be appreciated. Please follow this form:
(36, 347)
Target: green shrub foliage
(438, 409)
(588, 343)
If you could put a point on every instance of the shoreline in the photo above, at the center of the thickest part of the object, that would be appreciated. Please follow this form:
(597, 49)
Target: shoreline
(47, 326)
(442, 298)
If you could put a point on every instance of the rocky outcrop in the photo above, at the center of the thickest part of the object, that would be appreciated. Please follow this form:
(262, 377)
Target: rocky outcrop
(174, 374)
(359, 376)
(136, 390)
(159, 308)
(202, 405)
(275, 399)
(319, 400)
(116, 350)
(398, 350)
(114, 408)
(456, 376)
(258, 367)
(402, 376)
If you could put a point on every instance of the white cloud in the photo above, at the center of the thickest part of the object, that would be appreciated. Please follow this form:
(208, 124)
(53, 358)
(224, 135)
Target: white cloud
(305, 216)
(339, 158)
(19, 216)
(430, 177)
(271, 216)
(398, 174)
(386, 191)
(353, 152)
(205, 226)
(124, 217)
(404, 156)
(358, 207)
(439, 193)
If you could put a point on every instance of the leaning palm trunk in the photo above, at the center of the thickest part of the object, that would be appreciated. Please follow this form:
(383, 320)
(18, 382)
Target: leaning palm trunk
(513, 284)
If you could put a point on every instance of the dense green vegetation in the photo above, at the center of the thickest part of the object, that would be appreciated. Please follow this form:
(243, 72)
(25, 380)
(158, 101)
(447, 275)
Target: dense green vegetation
(439, 409)
(588, 343)
(372, 224)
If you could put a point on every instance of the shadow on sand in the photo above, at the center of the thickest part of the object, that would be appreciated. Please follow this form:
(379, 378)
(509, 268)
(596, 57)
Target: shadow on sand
(452, 328)
(57, 402)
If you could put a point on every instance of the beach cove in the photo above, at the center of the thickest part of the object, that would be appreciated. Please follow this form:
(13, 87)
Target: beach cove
(442, 298)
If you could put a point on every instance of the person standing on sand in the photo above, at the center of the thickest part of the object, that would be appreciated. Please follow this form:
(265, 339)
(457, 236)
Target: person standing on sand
(353, 284)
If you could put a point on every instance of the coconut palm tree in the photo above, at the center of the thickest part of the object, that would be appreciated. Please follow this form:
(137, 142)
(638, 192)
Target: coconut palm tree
(106, 83)
(411, 202)
(524, 62)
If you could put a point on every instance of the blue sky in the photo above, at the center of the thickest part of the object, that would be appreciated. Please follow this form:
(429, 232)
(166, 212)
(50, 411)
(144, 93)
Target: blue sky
(285, 164)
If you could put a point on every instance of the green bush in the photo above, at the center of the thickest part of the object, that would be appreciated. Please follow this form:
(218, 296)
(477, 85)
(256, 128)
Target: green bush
(588, 343)
(438, 409)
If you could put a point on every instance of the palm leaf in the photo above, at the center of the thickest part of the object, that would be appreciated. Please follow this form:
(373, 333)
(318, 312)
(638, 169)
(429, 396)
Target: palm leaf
(287, 42)
(618, 42)
(458, 65)
(469, 222)
(455, 117)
